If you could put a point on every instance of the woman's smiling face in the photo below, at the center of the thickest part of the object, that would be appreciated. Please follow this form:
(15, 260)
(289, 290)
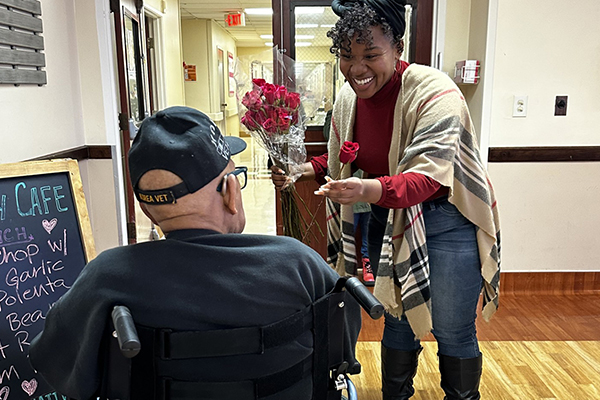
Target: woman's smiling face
(369, 66)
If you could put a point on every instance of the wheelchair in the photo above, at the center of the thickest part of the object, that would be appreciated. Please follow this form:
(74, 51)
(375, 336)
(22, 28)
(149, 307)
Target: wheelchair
(127, 378)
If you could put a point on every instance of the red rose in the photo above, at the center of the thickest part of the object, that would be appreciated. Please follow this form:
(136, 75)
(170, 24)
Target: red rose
(292, 100)
(348, 152)
(284, 120)
(252, 101)
(259, 117)
(251, 120)
(270, 92)
(271, 112)
(247, 122)
(270, 126)
(259, 82)
(294, 117)
(281, 92)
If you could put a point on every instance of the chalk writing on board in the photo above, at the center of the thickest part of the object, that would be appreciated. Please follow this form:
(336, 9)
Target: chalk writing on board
(41, 255)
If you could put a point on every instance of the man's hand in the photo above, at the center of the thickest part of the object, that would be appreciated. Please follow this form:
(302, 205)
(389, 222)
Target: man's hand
(279, 178)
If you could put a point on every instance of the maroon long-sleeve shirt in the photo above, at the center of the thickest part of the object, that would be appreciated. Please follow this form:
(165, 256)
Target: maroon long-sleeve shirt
(373, 129)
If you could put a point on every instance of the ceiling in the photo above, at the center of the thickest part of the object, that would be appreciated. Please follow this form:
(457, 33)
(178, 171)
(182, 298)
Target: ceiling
(256, 25)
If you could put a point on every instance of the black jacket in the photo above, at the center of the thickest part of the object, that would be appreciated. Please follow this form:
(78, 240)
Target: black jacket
(193, 280)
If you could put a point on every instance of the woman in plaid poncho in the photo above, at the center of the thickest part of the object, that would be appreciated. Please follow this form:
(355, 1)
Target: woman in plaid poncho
(434, 233)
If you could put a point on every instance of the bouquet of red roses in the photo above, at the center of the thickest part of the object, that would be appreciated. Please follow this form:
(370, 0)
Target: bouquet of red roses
(272, 114)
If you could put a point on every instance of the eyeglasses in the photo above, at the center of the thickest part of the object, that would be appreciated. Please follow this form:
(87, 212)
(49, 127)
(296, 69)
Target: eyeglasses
(241, 173)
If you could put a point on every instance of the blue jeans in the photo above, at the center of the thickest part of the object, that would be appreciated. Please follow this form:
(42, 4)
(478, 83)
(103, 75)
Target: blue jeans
(455, 275)
(362, 220)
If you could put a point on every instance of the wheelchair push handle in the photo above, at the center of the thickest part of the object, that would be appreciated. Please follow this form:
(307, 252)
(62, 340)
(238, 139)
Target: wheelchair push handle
(364, 297)
(125, 331)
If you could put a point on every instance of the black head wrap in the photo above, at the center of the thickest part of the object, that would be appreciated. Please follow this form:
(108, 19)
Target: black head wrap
(392, 11)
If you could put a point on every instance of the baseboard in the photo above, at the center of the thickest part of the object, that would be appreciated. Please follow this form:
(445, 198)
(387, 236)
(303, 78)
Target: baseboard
(554, 283)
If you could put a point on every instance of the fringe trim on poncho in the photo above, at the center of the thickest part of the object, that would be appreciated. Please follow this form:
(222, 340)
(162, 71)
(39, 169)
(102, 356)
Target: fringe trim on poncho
(432, 135)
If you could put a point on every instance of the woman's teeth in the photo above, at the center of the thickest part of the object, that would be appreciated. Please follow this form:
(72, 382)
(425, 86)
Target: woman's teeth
(363, 81)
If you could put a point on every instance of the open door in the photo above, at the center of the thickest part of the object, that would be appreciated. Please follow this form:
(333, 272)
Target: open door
(222, 124)
(297, 22)
(134, 104)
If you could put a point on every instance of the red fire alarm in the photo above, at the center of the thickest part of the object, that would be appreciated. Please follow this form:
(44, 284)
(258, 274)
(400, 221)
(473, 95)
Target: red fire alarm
(236, 19)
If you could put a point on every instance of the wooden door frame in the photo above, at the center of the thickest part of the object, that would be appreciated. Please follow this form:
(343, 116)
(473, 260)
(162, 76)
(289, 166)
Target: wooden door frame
(119, 10)
(423, 10)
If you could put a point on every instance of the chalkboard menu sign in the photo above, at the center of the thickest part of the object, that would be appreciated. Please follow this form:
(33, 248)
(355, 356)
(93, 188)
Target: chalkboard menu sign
(45, 241)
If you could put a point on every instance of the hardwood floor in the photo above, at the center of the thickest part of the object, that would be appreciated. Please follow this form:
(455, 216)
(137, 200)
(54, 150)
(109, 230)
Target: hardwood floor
(535, 347)
(527, 317)
(524, 370)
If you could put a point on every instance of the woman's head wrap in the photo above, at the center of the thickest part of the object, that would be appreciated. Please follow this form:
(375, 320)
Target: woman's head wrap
(392, 11)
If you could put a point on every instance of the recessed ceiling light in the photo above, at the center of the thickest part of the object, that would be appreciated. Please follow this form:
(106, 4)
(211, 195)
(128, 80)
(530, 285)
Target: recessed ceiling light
(266, 36)
(327, 25)
(307, 25)
(269, 44)
(258, 11)
(309, 10)
(304, 37)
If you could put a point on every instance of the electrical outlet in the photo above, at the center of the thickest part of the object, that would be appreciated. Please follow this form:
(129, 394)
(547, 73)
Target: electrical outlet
(560, 106)
(520, 106)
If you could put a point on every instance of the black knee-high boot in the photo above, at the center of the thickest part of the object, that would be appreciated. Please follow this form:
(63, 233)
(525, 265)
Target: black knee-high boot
(398, 369)
(460, 377)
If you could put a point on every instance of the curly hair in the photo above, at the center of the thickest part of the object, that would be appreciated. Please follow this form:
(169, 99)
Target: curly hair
(356, 24)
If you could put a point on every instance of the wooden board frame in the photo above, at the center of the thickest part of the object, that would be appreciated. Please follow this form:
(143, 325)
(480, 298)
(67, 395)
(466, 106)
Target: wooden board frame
(30, 168)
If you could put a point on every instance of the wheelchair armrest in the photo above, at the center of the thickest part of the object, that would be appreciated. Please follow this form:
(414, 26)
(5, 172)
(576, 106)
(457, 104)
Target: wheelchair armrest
(364, 297)
(129, 342)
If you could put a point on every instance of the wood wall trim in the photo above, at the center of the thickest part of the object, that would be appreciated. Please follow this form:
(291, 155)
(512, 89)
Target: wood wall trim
(544, 154)
(551, 283)
(81, 153)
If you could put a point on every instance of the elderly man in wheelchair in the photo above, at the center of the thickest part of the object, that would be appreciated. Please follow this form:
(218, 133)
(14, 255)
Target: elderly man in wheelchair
(217, 314)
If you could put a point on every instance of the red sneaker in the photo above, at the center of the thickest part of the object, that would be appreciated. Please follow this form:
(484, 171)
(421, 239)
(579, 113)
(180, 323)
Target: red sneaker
(368, 278)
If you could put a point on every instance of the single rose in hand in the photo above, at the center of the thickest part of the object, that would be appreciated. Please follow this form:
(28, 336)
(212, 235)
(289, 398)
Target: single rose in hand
(348, 152)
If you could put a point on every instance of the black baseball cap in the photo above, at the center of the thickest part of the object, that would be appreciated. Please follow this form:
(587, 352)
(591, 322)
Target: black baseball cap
(184, 141)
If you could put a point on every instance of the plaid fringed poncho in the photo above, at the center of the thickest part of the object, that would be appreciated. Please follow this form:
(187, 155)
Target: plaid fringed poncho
(432, 135)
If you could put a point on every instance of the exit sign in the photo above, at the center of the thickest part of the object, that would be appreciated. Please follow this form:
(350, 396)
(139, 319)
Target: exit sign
(236, 19)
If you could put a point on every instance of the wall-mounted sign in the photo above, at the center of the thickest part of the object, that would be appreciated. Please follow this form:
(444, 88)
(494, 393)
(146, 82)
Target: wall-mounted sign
(235, 19)
(45, 241)
(231, 67)
(189, 72)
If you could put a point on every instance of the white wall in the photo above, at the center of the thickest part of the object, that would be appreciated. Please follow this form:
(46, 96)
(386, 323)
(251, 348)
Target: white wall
(75, 108)
(548, 211)
(547, 48)
(549, 215)
(42, 120)
(200, 40)
(456, 46)
(172, 49)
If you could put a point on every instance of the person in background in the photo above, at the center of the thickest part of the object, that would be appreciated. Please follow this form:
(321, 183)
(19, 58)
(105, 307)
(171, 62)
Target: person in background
(434, 233)
(204, 276)
(362, 211)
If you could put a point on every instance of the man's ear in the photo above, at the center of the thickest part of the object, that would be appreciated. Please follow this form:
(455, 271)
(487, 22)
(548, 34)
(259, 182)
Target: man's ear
(147, 213)
(231, 194)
